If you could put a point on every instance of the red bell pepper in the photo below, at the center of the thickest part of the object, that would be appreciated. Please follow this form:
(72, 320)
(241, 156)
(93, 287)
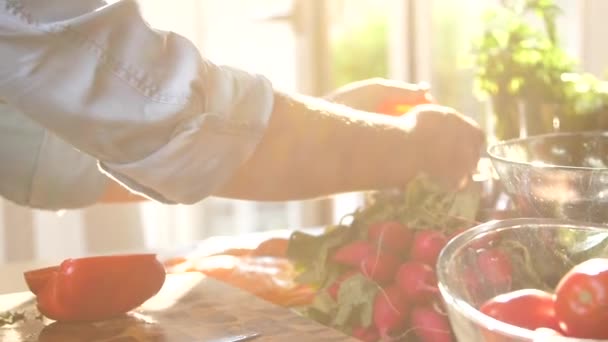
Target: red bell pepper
(95, 288)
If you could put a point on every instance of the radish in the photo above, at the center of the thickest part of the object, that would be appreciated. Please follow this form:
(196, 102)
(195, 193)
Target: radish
(417, 281)
(427, 246)
(390, 311)
(334, 288)
(430, 326)
(380, 267)
(390, 236)
(369, 334)
(496, 267)
(353, 253)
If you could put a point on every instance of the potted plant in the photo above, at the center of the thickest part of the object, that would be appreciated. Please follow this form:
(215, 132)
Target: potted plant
(530, 80)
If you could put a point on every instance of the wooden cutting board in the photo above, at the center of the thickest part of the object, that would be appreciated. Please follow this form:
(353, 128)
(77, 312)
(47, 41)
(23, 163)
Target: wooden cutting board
(189, 308)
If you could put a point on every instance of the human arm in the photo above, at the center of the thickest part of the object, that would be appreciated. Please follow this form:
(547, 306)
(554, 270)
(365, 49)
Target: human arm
(169, 124)
(314, 148)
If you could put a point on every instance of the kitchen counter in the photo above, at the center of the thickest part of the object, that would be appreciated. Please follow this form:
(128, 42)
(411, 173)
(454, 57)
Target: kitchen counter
(189, 308)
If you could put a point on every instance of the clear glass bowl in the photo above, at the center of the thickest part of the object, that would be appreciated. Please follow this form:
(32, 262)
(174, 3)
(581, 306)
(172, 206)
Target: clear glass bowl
(558, 175)
(551, 246)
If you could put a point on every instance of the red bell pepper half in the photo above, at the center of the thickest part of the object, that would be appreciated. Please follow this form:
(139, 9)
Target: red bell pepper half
(95, 288)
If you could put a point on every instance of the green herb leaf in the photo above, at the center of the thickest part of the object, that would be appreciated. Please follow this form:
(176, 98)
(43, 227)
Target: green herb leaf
(11, 317)
(324, 303)
(311, 252)
(355, 301)
(465, 204)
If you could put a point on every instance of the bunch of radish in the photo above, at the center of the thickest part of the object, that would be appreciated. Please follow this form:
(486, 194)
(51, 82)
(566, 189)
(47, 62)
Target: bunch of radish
(401, 261)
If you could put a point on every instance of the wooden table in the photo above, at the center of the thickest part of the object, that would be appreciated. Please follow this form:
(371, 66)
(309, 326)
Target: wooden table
(189, 308)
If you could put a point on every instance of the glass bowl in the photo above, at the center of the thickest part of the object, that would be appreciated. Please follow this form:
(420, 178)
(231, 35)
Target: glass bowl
(550, 246)
(557, 175)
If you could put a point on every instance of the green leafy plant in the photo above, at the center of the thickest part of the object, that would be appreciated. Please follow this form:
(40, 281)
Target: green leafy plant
(520, 66)
(585, 102)
(516, 61)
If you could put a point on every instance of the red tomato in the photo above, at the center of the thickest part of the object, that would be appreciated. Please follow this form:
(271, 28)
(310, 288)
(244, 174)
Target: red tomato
(527, 308)
(581, 300)
(96, 288)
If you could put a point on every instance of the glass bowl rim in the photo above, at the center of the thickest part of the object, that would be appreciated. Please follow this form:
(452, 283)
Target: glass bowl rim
(454, 245)
(492, 153)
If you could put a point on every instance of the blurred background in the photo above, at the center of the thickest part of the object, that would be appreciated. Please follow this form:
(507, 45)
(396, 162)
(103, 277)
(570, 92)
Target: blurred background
(308, 46)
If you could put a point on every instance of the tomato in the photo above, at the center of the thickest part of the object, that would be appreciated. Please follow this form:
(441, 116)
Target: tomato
(96, 288)
(581, 300)
(527, 308)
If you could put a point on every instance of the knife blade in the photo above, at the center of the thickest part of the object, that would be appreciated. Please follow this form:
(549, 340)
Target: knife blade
(238, 338)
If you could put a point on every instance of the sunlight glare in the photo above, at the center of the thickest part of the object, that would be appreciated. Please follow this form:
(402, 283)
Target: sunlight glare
(176, 286)
(15, 300)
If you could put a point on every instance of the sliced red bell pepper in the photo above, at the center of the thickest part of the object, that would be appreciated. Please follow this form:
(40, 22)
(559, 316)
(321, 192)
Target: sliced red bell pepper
(36, 279)
(96, 288)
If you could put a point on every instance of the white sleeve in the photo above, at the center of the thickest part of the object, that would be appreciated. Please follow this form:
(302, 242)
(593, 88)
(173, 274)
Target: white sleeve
(39, 170)
(159, 118)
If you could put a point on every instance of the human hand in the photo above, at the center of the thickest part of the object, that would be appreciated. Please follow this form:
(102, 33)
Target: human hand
(373, 94)
(447, 145)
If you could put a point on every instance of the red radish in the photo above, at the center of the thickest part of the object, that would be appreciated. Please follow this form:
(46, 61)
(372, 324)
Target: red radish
(496, 268)
(334, 288)
(390, 311)
(380, 267)
(353, 253)
(417, 281)
(369, 334)
(430, 326)
(427, 246)
(390, 236)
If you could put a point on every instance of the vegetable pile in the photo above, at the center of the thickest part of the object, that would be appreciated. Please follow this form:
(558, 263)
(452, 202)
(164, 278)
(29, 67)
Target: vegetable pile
(578, 307)
(375, 276)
